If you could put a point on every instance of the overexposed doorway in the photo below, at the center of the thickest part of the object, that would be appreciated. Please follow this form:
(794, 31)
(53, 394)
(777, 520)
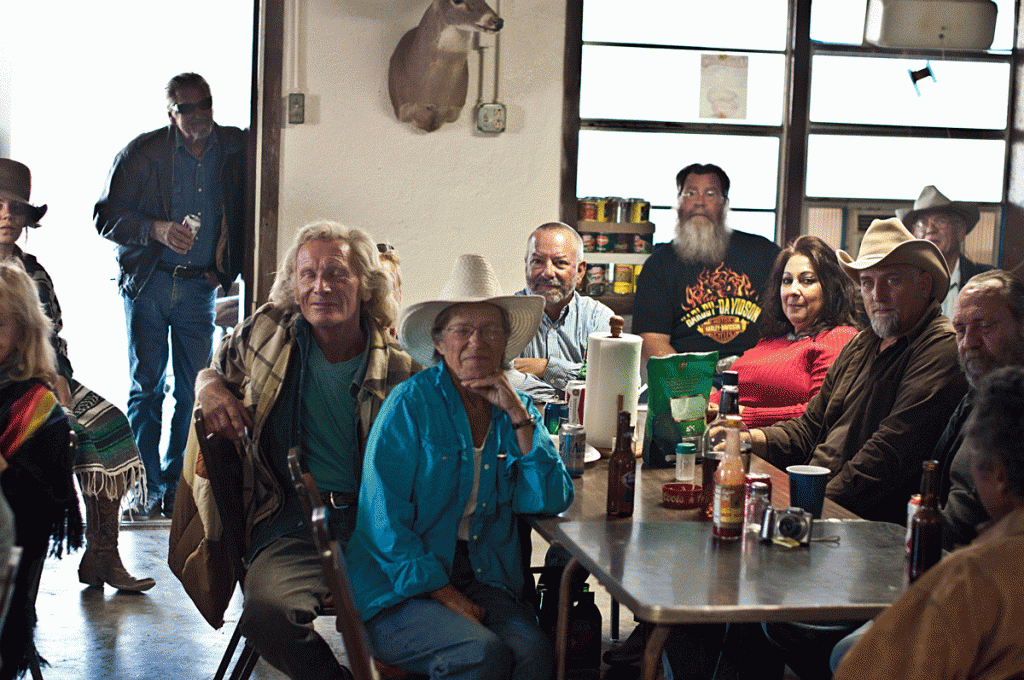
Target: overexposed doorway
(78, 81)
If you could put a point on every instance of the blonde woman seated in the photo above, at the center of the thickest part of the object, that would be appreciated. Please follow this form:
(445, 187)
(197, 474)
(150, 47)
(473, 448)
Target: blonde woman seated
(35, 459)
(808, 315)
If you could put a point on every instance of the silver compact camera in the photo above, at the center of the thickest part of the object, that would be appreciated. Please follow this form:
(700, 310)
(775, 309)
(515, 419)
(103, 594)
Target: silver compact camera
(794, 523)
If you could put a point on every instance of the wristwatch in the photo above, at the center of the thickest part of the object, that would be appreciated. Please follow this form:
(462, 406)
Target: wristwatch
(532, 420)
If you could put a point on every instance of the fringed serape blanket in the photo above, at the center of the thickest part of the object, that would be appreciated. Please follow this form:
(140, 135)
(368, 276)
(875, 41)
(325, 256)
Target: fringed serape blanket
(108, 462)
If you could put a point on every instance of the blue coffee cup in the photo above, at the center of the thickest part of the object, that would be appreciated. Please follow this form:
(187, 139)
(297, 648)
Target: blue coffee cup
(807, 487)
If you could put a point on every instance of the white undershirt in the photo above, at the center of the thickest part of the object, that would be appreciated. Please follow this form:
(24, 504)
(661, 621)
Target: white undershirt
(467, 514)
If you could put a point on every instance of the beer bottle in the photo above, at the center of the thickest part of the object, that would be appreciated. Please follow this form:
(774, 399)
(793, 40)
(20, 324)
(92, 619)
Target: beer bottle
(728, 405)
(622, 470)
(730, 483)
(926, 527)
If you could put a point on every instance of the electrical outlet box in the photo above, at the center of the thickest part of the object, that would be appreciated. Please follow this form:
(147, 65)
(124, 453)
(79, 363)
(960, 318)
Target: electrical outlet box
(490, 117)
(296, 108)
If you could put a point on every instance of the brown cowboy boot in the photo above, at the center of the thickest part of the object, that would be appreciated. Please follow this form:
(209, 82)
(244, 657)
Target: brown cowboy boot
(101, 562)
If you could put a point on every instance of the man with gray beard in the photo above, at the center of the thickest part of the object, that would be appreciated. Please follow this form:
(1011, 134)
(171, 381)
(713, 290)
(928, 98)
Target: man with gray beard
(881, 408)
(702, 294)
(989, 325)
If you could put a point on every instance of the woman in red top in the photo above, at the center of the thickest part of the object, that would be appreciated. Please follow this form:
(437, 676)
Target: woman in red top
(808, 315)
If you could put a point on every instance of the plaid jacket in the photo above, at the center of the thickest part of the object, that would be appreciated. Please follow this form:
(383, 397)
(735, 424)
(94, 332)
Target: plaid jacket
(253, 361)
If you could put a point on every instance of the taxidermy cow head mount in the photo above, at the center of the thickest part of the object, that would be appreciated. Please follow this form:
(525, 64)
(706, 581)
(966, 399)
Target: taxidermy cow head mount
(428, 74)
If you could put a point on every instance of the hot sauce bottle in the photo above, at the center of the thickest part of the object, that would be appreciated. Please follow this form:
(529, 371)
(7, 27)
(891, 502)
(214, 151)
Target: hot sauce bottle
(730, 485)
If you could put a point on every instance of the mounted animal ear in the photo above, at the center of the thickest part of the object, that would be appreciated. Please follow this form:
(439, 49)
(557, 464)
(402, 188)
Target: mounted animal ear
(428, 74)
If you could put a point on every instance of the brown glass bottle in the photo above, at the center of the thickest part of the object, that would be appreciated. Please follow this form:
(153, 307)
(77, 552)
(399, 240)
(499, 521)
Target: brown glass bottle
(926, 527)
(622, 470)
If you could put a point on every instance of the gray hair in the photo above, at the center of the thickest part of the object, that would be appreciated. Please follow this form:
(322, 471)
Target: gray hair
(182, 81)
(445, 315)
(1011, 288)
(577, 240)
(362, 256)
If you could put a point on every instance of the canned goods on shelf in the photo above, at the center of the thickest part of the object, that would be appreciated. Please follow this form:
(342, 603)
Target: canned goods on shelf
(618, 209)
(603, 210)
(603, 243)
(639, 210)
(622, 283)
(643, 243)
(597, 280)
(588, 241)
(623, 243)
(588, 208)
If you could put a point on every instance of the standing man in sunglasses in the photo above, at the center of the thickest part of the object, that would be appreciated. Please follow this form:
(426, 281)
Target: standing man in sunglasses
(169, 269)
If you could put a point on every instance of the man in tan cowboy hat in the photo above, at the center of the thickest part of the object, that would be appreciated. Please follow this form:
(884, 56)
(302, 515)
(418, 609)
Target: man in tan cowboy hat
(945, 223)
(887, 397)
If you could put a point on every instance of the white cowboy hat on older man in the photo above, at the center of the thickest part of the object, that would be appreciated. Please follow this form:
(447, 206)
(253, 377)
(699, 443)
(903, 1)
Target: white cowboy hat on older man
(932, 199)
(889, 242)
(472, 280)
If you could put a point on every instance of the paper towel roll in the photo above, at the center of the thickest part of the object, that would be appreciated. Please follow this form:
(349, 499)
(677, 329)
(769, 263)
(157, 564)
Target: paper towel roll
(613, 368)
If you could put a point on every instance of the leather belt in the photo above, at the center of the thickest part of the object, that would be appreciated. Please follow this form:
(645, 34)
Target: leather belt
(180, 271)
(337, 499)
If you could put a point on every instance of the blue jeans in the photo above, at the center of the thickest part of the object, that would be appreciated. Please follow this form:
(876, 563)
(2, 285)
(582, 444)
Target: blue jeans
(423, 636)
(185, 308)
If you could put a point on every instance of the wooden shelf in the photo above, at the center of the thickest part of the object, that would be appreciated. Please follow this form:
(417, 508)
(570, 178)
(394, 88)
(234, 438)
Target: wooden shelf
(594, 227)
(616, 258)
(620, 304)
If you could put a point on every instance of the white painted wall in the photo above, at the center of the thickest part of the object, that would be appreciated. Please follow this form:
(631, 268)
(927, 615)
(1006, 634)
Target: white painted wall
(433, 196)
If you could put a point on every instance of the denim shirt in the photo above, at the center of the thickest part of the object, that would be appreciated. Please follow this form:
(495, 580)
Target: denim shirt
(417, 478)
(563, 342)
(195, 190)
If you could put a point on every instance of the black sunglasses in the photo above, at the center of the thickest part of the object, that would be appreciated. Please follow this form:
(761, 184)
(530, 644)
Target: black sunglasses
(384, 248)
(188, 108)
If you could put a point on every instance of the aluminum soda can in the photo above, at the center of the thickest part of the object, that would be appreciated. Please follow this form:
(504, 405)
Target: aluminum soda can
(574, 395)
(755, 478)
(555, 412)
(572, 445)
(913, 505)
(192, 222)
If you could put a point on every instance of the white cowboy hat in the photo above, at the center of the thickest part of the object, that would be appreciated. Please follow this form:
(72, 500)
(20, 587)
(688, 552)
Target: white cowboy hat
(471, 280)
(931, 199)
(889, 242)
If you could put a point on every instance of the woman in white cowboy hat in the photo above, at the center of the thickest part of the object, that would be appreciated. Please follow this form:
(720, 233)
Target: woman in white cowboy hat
(107, 463)
(453, 457)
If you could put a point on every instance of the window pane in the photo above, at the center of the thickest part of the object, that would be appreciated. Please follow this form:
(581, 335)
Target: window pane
(641, 83)
(963, 94)
(898, 167)
(644, 164)
(842, 21)
(746, 24)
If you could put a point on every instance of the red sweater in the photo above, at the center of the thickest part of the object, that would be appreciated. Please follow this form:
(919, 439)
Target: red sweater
(778, 377)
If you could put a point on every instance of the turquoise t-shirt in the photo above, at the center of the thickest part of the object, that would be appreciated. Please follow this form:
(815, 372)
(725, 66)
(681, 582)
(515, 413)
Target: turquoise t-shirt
(328, 417)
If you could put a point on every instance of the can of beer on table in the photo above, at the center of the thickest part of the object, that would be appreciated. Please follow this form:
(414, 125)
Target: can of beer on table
(572, 445)
(574, 395)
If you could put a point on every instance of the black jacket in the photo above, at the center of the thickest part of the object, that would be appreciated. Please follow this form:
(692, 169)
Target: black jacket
(138, 191)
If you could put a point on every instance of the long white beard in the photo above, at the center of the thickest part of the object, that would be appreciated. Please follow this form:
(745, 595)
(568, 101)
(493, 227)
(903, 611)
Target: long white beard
(700, 239)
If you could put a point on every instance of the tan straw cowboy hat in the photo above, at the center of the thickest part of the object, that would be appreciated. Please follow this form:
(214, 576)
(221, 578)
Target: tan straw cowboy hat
(933, 199)
(16, 185)
(471, 280)
(889, 242)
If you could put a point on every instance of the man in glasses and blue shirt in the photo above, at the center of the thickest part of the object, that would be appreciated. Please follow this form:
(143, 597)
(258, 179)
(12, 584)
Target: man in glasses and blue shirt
(169, 269)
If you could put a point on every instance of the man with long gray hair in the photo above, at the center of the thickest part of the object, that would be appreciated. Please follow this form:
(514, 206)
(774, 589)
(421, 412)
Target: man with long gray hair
(309, 370)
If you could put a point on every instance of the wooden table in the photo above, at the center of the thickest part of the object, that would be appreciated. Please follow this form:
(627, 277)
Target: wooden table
(665, 566)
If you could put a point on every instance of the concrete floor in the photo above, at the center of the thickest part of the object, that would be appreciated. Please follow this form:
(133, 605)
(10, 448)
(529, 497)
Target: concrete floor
(93, 634)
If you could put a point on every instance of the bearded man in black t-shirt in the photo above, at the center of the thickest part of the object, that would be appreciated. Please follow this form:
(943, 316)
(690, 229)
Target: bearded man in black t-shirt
(703, 294)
